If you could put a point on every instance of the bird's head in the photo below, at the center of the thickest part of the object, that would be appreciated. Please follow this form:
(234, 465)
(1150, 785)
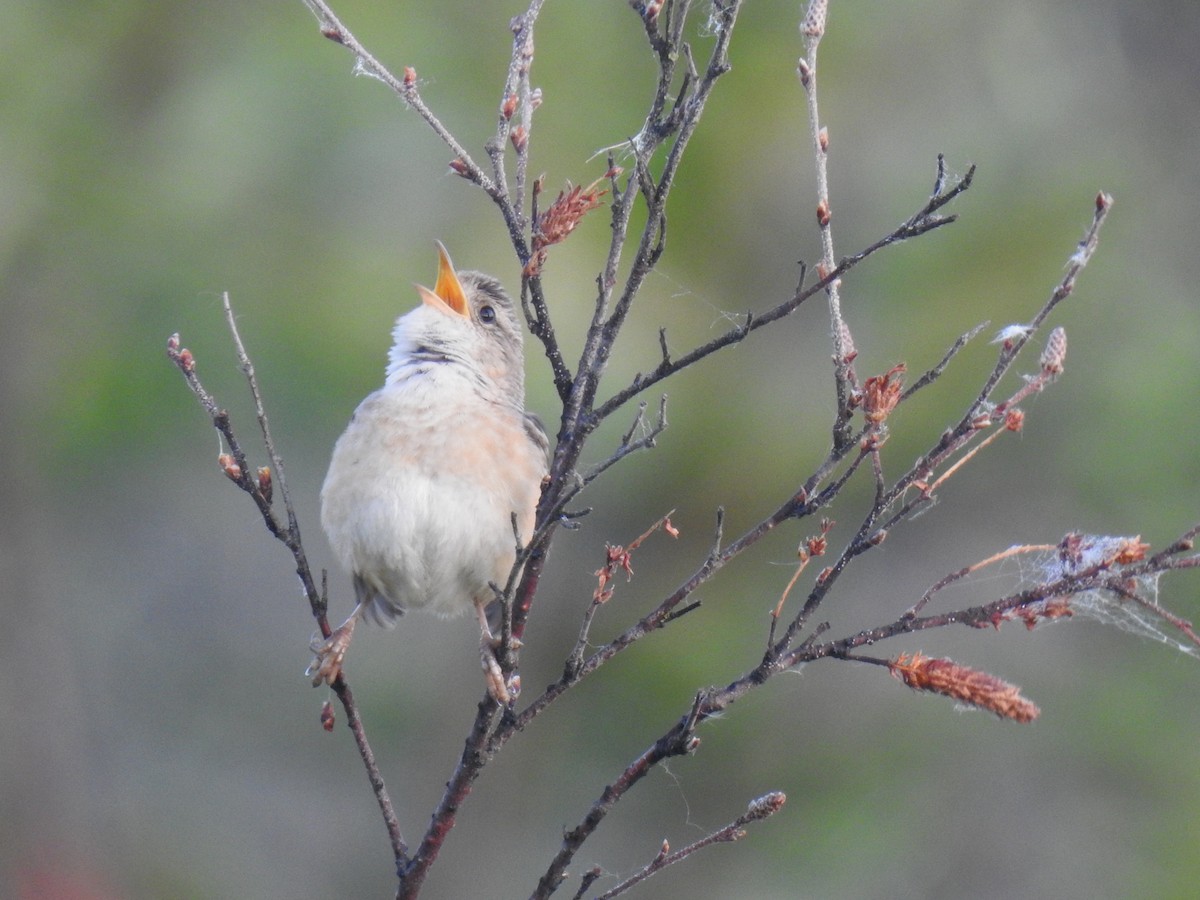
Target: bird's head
(466, 321)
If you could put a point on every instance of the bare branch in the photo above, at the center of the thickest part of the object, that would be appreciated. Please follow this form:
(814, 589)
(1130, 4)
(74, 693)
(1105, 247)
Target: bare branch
(759, 809)
(1011, 349)
(474, 757)
(405, 88)
(812, 29)
(1117, 570)
(646, 441)
(260, 491)
(679, 741)
(755, 321)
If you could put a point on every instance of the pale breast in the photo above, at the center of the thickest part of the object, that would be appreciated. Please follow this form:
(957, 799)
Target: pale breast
(420, 493)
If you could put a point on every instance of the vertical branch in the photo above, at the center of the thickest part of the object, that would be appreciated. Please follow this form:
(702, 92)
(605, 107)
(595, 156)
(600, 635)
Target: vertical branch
(474, 757)
(662, 124)
(527, 98)
(812, 28)
(516, 97)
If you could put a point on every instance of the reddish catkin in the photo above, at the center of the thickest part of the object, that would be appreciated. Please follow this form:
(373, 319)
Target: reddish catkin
(881, 393)
(967, 685)
(560, 218)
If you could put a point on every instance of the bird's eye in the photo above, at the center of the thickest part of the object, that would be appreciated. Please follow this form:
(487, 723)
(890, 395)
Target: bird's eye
(487, 315)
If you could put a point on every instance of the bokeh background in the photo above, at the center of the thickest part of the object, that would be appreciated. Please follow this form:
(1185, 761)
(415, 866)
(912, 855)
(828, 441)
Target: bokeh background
(157, 738)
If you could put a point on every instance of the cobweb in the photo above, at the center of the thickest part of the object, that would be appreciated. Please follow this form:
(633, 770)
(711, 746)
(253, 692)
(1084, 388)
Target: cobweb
(1137, 611)
(1133, 606)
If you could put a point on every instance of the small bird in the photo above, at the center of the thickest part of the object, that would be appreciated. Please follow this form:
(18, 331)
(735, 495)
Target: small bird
(424, 484)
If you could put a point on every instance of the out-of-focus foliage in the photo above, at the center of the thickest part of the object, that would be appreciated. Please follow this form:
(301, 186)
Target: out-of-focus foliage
(158, 738)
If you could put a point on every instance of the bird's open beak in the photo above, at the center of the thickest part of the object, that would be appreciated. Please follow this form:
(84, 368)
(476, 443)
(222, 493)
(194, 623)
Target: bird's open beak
(447, 295)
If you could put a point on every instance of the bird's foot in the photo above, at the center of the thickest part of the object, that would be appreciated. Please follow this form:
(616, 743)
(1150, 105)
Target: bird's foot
(327, 663)
(503, 690)
(494, 642)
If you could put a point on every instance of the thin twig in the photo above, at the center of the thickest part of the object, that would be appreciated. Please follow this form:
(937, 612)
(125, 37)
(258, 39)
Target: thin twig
(647, 440)
(405, 88)
(812, 28)
(762, 808)
(259, 490)
(738, 333)
(1075, 265)
(679, 741)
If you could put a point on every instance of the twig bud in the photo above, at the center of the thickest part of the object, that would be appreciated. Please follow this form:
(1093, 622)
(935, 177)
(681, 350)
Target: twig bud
(814, 21)
(766, 805)
(328, 718)
(1130, 550)
(823, 139)
(804, 71)
(823, 214)
(535, 99)
(265, 487)
(849, 351)
(519, 138)
(460, 167)
(231, 469)
(186, 360)
(509, 106)
(333, 34)
(410, 76)
(1055, 353)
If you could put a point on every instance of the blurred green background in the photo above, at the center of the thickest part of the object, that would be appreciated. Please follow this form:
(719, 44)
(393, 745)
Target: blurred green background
(158, 738)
